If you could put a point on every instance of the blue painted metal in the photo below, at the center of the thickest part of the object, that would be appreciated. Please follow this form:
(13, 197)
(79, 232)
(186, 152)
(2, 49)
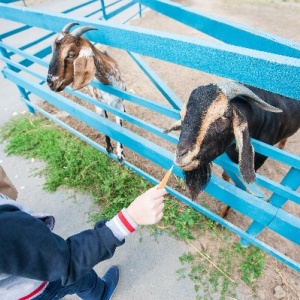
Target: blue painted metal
(103, 9)
(4, 55)
(276, 153)
(269, 69)
(232, 171)
(169, 112)
(224, 30)
(161, 86)
(119, 10)
(12, 32)
(11, 1)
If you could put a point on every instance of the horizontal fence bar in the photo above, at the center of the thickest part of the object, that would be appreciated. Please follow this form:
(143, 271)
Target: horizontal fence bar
(273, 72)
(119, 10)
(169, 112)
(276, 153)
(28, 57)
(14, 31)
(224, 30)
(279, 189)
(267, 183)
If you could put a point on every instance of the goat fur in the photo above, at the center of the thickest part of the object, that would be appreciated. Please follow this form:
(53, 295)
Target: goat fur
(210, 123)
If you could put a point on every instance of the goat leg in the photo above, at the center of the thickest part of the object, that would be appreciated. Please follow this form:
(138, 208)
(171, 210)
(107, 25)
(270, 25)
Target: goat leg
(225, 176)
(109, 147)
(224, 211)
(120, 153)
(282, 144)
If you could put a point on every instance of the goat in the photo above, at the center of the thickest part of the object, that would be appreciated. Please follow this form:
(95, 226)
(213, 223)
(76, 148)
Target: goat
(216, 115)
(76, 61)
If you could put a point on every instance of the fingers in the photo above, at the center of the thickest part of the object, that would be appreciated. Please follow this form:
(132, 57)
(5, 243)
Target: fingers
(158, 192)
(148, 208)
(159, 217)
(158, 202)
(160, 209)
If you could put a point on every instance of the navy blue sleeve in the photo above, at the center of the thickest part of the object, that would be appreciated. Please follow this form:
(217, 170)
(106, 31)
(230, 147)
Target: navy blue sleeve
(29, 249)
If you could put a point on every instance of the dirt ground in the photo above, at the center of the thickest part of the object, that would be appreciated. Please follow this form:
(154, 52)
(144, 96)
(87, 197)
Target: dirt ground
(281, 18)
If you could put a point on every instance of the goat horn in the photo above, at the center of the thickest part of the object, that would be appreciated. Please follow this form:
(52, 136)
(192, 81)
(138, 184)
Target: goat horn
(81, 30)
(67, 27)
(232, 89)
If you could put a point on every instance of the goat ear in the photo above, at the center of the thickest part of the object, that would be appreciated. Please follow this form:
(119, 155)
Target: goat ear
(84, 71)
(246, 152)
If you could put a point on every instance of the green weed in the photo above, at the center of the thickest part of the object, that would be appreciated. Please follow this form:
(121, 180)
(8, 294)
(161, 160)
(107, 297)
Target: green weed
(73, 164)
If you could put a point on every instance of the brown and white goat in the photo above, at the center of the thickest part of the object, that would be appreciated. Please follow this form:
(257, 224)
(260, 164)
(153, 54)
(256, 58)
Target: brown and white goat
(217, 115)
(76, 61)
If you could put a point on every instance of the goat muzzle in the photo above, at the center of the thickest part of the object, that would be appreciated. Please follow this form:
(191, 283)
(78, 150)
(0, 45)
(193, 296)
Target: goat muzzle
(186, 165)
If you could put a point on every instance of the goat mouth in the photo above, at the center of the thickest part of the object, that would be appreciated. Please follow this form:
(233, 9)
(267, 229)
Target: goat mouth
(57, 87)
(61, 88)
(188, 162)
(187, 166)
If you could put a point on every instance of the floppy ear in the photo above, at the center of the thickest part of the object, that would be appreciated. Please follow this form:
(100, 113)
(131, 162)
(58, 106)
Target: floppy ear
(246, 152)
(84, 71)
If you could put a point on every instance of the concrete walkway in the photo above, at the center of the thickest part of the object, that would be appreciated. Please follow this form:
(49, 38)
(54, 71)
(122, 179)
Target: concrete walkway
(148, 264)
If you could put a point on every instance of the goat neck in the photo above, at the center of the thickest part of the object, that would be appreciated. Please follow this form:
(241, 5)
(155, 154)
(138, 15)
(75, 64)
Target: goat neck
(107, 69)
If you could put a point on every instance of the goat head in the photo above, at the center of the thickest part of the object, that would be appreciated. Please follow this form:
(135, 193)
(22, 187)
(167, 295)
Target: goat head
(72, 60)
(209, 124)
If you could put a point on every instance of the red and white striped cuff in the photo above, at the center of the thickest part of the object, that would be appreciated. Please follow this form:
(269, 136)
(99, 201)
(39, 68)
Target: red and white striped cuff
(122, 225)
(36, 292)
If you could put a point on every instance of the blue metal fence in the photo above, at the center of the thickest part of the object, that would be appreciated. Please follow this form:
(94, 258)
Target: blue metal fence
(274, 61)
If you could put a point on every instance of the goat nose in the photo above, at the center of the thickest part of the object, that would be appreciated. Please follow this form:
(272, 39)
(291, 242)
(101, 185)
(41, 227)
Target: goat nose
(50, 83)
(181, 151)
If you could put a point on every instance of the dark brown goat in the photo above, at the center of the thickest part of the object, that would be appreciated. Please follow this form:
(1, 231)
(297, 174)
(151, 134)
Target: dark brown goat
(217, 115)
(76, 61)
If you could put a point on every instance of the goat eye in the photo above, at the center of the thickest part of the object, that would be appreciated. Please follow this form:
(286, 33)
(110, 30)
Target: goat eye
(71, 55)
(222, 123)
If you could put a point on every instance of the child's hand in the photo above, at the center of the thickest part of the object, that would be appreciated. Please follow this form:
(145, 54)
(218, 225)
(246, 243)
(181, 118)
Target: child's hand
(147, 208)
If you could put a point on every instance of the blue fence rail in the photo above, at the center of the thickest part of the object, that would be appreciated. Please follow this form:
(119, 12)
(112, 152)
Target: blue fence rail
(274, 61)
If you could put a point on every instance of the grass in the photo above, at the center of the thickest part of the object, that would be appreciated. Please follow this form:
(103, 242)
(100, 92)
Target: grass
(71, 163)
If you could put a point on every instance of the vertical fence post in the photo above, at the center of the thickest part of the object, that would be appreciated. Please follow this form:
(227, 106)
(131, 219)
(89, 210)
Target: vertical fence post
(23, 93)
(103, 9)
(291, 180)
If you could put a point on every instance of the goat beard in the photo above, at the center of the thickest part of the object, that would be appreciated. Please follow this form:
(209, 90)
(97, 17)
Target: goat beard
(197, 179)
